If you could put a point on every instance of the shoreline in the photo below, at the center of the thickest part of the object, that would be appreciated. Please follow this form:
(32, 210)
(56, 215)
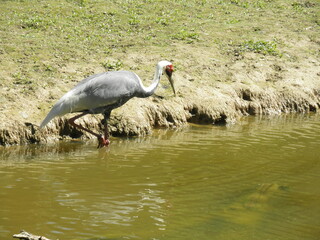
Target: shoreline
(222, 104)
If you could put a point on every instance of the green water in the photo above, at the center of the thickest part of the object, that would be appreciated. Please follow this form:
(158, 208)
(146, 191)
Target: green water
(258, 179)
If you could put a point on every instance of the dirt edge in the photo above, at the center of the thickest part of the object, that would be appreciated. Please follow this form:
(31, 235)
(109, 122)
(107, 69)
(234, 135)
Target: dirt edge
(224, 104)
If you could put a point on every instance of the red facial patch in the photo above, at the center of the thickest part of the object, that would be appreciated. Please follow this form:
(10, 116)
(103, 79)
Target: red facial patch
(170, 68)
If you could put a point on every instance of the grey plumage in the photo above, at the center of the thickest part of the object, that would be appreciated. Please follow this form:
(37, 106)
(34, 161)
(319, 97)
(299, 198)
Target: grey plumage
(103, 92)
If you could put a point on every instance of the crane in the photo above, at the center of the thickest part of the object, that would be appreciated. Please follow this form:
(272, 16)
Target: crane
(101, 93)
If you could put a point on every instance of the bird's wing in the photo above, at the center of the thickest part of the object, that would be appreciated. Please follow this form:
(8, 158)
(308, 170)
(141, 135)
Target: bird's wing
(95, 92)
(104, 90)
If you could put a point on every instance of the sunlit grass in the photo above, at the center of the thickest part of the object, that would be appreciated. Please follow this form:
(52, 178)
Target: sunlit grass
(42, 37)
(263, 47)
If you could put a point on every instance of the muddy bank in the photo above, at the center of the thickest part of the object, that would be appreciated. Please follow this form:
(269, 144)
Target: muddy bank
(223, 103)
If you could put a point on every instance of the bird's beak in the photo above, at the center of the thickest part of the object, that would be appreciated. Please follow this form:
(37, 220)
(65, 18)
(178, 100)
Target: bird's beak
(172, 85)
(171, 81)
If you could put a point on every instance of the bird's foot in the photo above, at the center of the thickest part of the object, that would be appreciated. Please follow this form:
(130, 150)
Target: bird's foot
(103, 142)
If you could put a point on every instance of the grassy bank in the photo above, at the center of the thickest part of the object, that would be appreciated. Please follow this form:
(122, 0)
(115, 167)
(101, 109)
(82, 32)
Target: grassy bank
(219, 48)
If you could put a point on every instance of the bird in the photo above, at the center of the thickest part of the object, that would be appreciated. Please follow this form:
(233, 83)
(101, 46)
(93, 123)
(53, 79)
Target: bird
(103, 92)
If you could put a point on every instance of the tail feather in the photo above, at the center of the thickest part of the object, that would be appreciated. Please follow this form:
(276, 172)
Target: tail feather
(57, 110)
(65, 105)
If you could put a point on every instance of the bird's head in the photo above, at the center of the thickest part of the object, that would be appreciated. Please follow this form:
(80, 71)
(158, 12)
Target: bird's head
(168, 70)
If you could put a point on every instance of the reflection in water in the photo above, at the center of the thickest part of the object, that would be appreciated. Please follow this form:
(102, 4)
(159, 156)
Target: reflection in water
(254, 180)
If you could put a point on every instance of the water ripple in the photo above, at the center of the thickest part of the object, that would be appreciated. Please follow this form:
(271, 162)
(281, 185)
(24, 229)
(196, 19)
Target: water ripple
(254, 180)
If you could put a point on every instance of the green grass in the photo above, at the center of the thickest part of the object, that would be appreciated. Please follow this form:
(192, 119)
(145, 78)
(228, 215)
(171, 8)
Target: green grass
(186, 36)
(39, 38)
(263, 47)
(112, 65)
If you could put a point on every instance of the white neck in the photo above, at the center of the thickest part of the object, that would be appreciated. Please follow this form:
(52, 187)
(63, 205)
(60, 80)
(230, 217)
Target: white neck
(148, 91)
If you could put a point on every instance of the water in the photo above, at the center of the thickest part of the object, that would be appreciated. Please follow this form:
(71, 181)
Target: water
(255, 180)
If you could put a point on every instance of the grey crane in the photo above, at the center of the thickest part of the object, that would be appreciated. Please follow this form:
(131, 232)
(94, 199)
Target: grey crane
(101, 93)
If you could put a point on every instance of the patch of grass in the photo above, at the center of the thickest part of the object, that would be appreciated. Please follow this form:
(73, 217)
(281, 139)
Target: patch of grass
(162, 21)
(248, 4)
(300, 5)
(21, 79)
(35, 22)
(187, 36)
(233, 21)
(112, 65)
(240, 3)
(134, 20)
(263, 47)
(81, 3)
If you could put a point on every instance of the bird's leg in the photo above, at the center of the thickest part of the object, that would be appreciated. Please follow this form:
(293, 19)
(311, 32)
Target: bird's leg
(101, 139)
(105, 139)
(106, 130)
